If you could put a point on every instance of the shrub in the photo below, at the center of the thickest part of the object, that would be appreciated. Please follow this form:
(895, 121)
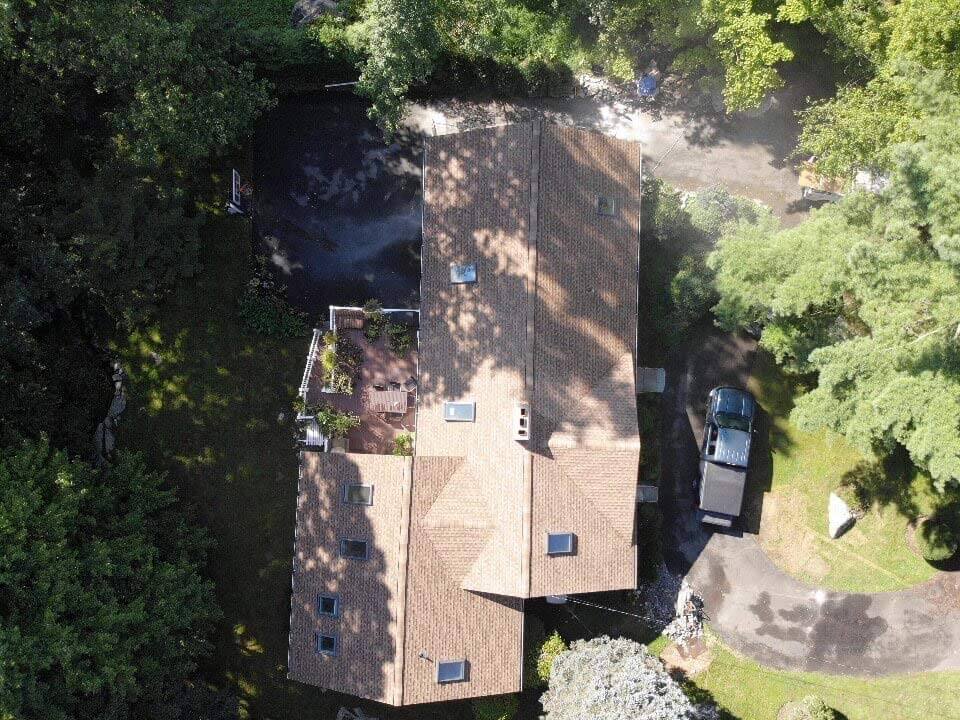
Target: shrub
(399, 339)
(335, 423)
(710, 210)
(497, 707)
(691, 292)
(340, 360)
(403, 444)
(551, 647)
(375, 320)
(937, 539)
(850, 494)
(808, 708)
(268, 314)
(263, 309)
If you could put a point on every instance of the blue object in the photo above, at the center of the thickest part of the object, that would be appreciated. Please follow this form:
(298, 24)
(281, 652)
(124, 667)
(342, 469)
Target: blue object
(647, 86)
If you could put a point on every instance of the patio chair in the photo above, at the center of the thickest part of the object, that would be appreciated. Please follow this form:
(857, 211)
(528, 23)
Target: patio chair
(411, 384)
(394, 385)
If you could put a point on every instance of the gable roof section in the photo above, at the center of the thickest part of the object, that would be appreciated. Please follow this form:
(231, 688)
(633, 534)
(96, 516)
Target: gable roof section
(371, 591)
(550, 321)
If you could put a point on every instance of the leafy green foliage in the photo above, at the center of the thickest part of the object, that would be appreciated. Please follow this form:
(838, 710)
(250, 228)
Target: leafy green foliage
(374, 320)
(99, 225)
(264, 310)
(866, 294)
(403, 444)
(747, 51)
(808, 708)
(497, 707)
(340, 361)
(399, 339)
(401, 48)
(549, 650)
(104, 605)
(334, 423)
(900, 47)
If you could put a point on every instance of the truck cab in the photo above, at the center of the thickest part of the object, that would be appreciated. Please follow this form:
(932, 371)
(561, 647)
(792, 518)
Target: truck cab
(725, 454)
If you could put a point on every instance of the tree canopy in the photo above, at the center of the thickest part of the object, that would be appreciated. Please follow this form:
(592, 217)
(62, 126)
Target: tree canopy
(104, 609)
(109, 108)
(865, 295)
(616, 680)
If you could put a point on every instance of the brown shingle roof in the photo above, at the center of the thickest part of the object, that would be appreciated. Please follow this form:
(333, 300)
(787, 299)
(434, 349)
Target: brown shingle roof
(551, 321)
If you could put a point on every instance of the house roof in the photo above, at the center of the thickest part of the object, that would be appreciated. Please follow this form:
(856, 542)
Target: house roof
(551, 321)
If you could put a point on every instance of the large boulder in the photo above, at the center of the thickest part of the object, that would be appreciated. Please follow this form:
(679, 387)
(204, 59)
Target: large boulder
(306, 11)
(840, 517)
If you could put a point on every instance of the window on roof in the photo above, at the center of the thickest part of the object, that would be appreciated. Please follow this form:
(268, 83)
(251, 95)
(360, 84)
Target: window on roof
(449, 671)
(328, 604)
(459, 411)
(561, 543)
(358, 494)
(326, 644)
(463, 273)
(606, 205)
(354, 549)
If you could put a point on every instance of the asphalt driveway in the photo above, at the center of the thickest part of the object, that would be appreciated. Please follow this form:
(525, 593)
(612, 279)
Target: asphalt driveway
(751, 604)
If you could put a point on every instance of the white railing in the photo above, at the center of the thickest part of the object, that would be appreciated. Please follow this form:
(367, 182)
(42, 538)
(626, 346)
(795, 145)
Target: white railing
(311, 357)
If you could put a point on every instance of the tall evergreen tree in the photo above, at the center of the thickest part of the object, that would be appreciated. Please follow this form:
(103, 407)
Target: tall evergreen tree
(103, 610)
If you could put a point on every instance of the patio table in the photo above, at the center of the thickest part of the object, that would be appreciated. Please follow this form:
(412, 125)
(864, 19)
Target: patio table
(388, 401)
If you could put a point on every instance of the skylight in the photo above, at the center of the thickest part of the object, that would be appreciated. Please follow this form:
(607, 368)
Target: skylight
(354, 549)
(328, 604)
(459, 411)
(358, 494)
(606, 205)
(560, 543)
(462, 274)
(449, 671)
(326, 644)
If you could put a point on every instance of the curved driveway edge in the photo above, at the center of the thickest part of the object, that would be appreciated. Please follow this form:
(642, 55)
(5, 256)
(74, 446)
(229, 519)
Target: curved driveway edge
(752, 605)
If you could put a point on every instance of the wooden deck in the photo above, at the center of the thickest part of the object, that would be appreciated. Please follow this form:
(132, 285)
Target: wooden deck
(380, 366)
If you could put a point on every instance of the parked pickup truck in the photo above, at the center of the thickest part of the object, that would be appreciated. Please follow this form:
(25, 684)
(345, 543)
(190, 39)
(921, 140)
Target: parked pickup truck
(725, 454)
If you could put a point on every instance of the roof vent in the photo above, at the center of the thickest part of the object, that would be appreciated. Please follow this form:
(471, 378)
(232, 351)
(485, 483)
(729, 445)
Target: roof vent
(521, 421)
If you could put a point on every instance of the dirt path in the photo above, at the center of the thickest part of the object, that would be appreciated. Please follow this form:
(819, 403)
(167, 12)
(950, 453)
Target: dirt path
(755, 607)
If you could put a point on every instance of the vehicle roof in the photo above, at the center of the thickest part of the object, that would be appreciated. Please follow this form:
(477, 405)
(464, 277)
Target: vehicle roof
(734, 400)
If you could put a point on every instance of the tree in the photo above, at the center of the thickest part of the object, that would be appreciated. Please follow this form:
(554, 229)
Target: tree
(747, 51)
(99, 224)
(893, 48)
(402, 46)
(104, 606)
(865, 295)
(616, 680)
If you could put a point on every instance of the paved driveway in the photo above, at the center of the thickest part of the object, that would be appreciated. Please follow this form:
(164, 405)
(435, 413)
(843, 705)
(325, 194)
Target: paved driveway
(753, 606)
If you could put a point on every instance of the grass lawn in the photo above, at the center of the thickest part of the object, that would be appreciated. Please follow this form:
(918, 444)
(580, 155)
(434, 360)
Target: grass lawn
(204, 403)
(871, 557)
(748, 691)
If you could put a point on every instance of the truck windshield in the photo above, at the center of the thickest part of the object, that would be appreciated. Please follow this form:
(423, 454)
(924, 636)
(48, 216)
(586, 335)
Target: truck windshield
(734, 422)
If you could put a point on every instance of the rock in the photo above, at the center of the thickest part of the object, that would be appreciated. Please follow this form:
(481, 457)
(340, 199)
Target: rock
(840, 516)
(118, 405)
(306, 11)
